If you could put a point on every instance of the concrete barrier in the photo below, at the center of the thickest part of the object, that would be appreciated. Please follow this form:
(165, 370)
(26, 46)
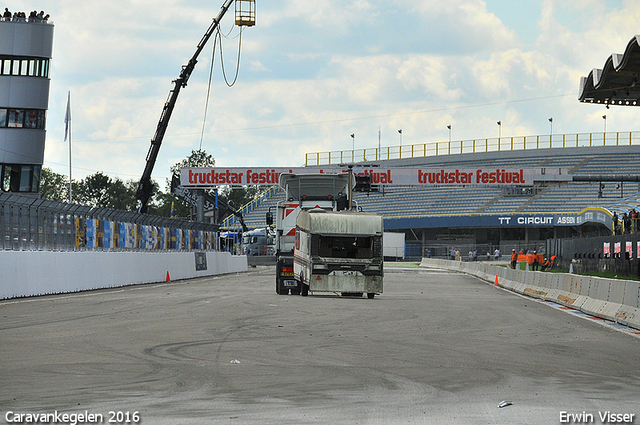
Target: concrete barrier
(611, 299)
(28, 273)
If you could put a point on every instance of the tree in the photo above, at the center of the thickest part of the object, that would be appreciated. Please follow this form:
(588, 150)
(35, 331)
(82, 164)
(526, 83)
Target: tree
(198, 158)
(100, 190)
(93, 190)
(53, 186)
(234, 196)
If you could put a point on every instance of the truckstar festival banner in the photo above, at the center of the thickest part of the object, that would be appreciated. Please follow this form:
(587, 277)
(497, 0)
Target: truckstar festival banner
(400, 176)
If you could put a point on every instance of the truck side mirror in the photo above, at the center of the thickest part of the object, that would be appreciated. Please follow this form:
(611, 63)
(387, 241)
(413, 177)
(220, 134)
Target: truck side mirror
(269, 218)
(342, 203)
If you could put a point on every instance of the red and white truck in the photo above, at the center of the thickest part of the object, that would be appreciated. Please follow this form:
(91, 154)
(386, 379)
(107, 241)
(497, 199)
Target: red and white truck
(329, 193)
(302, 192)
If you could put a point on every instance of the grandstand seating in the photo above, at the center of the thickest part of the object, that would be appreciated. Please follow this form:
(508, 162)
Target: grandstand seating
(469, 200)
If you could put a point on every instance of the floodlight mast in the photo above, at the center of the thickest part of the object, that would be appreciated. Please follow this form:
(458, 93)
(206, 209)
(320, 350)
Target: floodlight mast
(145, 187)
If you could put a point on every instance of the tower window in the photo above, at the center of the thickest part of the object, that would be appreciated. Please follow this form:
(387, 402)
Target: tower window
(22, 118)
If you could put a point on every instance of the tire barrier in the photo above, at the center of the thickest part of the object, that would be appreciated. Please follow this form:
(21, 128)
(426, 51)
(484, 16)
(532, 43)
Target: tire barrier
(612, 299)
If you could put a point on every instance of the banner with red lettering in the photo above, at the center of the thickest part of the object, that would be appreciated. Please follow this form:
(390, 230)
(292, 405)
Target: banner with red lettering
(397, 176)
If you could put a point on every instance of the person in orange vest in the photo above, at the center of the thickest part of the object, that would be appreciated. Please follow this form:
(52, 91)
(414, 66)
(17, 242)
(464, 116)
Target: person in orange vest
(553, 261)
(514, 258)
(536, 260)
(530, 259)
(546, 265)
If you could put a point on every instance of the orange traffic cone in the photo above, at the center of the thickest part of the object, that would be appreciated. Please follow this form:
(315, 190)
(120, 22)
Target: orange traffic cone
(168, 278)
(496, 282)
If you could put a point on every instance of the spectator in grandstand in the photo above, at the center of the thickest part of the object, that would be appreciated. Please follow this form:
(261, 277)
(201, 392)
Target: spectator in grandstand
(7, 15)
(626, 220)
(514, 258)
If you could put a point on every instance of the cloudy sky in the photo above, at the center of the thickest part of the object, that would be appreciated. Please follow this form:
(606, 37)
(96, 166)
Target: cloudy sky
(314, 72)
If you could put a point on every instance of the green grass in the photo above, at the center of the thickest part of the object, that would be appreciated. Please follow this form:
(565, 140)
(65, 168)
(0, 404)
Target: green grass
(400, 264)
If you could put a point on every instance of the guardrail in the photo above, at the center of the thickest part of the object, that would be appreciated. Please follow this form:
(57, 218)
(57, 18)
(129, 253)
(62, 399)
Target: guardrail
(611, 299)
(474, 146)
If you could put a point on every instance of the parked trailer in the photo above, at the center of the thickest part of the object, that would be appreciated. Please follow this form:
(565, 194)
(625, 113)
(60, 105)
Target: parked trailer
(339, 252)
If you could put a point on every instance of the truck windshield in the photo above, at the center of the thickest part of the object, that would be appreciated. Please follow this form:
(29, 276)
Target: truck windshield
(342, 246)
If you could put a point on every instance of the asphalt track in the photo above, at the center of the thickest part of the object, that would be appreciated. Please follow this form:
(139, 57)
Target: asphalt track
(435, 348)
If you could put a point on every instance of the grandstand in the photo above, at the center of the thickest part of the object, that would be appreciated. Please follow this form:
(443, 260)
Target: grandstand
(496, 216)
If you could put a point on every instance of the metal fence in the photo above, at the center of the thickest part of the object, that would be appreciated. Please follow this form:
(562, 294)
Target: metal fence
(615, 254)
(32, 224)
(495, 144)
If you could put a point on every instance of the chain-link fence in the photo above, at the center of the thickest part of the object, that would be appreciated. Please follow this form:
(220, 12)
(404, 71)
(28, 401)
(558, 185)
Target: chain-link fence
(28, 223)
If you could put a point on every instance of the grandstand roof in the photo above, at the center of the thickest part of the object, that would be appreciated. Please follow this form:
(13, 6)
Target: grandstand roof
(617, 82)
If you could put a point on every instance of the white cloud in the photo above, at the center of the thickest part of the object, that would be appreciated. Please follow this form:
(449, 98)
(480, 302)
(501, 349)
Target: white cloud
(311, 74)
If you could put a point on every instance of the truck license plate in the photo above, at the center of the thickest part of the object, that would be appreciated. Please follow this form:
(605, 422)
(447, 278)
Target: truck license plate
(290, 283)
(344, 273)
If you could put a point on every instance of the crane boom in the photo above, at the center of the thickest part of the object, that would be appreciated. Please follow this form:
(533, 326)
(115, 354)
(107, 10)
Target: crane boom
(145, 187)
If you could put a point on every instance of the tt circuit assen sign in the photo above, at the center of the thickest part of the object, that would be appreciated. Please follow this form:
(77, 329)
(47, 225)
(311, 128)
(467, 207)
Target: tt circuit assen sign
(588, 215)
(401, 176)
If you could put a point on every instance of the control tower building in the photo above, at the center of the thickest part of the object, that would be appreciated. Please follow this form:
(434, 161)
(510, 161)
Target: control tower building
(25, 55)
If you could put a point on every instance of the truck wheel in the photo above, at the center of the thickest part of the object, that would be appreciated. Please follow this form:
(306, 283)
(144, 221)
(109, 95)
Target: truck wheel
(298, 289)
(305, 290)
(370, 295)
(280, 289)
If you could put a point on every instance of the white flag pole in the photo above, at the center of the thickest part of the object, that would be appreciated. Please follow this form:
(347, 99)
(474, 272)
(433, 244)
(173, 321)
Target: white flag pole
(67, 132)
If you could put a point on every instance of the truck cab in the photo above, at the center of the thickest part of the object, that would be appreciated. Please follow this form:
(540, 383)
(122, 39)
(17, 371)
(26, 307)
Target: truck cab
(302, 192)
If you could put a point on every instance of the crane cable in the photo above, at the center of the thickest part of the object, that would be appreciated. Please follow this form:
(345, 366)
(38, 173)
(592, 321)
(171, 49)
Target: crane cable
(206, 104)
(237, 61)
(213, 54)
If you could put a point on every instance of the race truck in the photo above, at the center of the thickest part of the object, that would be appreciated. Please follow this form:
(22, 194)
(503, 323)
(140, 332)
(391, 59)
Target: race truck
(303, 192)
(339, 252)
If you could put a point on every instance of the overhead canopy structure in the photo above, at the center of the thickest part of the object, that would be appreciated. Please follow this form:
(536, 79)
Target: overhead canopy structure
(617, 82)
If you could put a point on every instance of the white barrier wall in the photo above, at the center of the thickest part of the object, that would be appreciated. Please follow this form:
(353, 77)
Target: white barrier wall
(27, 273)
(612, 299)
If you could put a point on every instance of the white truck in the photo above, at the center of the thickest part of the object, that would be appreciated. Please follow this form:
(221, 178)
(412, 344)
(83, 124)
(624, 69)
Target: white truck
(302, 192)
(339, 252)
(258, 242)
